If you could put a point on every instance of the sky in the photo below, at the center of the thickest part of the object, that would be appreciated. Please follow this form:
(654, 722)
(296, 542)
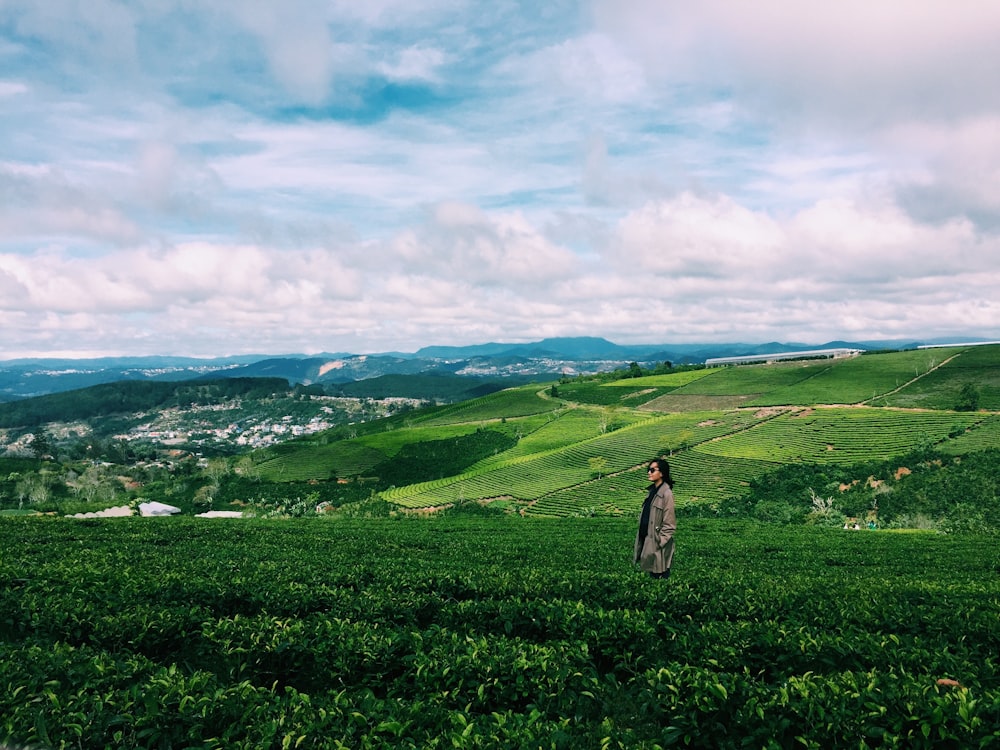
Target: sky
(218, 177)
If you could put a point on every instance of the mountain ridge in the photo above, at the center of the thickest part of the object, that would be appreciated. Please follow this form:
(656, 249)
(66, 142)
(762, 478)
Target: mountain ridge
(26, 377)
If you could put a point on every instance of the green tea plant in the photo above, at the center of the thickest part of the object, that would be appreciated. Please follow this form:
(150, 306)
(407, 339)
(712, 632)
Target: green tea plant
(484, 632)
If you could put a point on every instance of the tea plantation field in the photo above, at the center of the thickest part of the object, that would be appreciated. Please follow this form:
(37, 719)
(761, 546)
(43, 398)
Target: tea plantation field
(579, 447)
(503, 632)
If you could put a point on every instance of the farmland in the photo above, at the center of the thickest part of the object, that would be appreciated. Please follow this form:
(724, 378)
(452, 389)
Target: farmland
(475, 632)
(576, 446)
(580, 444)
(512, 616)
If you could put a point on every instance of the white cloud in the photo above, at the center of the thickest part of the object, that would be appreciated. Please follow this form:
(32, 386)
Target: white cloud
(296, 40)
(12, 88)
(949, 169)
(463, 242)
(590, 66)
(834, 266)
(198, 276)
(854, 59)
(101, 32)
(394, 13)
(210, 178)
(415, 63)
(692, 236)
(170, 180)
(38, 202)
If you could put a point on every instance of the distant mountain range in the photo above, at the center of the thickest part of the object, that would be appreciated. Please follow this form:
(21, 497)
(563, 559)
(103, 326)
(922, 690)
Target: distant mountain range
(21, 378)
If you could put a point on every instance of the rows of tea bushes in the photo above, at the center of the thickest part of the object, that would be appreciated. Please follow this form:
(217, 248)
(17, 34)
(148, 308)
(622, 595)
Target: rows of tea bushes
(843, 436)
(558, 455)
(981, 437)
(858, 379)
(569, 426)
(703, 480)
(840, 381)
(570, 435)
(486, 633)
(715, 455)
(630, 392)
(319, 459)
(534, 473)
(753, 380)
(301, 462)
(978, 366)
(600, 394)
(514, 402)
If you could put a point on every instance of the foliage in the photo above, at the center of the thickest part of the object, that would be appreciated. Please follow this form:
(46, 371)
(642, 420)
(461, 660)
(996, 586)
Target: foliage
(434, 459)
(856, 379)
(131, 396)
(431, 386)
(562, 456)
(976, 366)
(507, 404)
(477, 631)
(968, 398)
(949, 493)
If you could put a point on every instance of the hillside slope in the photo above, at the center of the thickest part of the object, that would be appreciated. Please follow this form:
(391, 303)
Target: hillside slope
(580, 445)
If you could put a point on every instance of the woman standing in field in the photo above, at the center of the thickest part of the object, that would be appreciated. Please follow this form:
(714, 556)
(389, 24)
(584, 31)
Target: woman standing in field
(654, 543)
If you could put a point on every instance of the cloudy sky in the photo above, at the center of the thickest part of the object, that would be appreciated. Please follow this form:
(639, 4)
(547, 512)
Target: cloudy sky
(209, 177)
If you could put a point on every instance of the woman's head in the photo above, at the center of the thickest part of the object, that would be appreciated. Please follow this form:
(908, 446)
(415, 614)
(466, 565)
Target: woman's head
(659, 470)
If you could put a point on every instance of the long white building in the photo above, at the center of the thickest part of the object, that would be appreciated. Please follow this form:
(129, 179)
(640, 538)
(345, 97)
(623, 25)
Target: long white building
(777, 356)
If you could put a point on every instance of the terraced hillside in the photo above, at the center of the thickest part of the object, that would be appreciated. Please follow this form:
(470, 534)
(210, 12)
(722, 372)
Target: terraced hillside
(579, 446)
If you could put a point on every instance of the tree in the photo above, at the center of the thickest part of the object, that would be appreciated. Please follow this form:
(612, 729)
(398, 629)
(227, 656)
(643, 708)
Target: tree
(968, 398)
(120, 449)
(205, 495)
(217, 468)
(247, 467)
(40, 445)
(597, 465)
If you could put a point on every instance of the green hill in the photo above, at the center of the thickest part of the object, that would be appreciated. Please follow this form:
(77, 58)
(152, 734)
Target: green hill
(127, 396)
(430, 386)
(579, 446)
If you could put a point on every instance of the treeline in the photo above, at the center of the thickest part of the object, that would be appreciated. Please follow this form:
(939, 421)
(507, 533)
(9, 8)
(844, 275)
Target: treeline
(923, 489)
(132, 396)
(427, 386)
(634, 370)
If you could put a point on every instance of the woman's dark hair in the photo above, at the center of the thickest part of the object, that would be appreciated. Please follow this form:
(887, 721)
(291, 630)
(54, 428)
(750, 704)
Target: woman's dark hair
(664, 466)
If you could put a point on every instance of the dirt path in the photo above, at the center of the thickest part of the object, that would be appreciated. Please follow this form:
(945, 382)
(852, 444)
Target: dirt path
(912, 380)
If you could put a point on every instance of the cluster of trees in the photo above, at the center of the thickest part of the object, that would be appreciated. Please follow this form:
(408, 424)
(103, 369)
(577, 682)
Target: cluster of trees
(430, 387)
(133, 396)
(43, 484)
(73, 486)
(634, 370)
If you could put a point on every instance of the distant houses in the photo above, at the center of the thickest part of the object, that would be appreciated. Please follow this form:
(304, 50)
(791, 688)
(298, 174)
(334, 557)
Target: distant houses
(778, 356)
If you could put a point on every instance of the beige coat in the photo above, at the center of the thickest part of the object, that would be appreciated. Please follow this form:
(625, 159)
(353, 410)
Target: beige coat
(656, 553)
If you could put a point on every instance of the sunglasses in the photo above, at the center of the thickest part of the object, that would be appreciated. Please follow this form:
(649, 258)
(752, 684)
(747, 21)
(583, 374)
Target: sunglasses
(651, 469)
